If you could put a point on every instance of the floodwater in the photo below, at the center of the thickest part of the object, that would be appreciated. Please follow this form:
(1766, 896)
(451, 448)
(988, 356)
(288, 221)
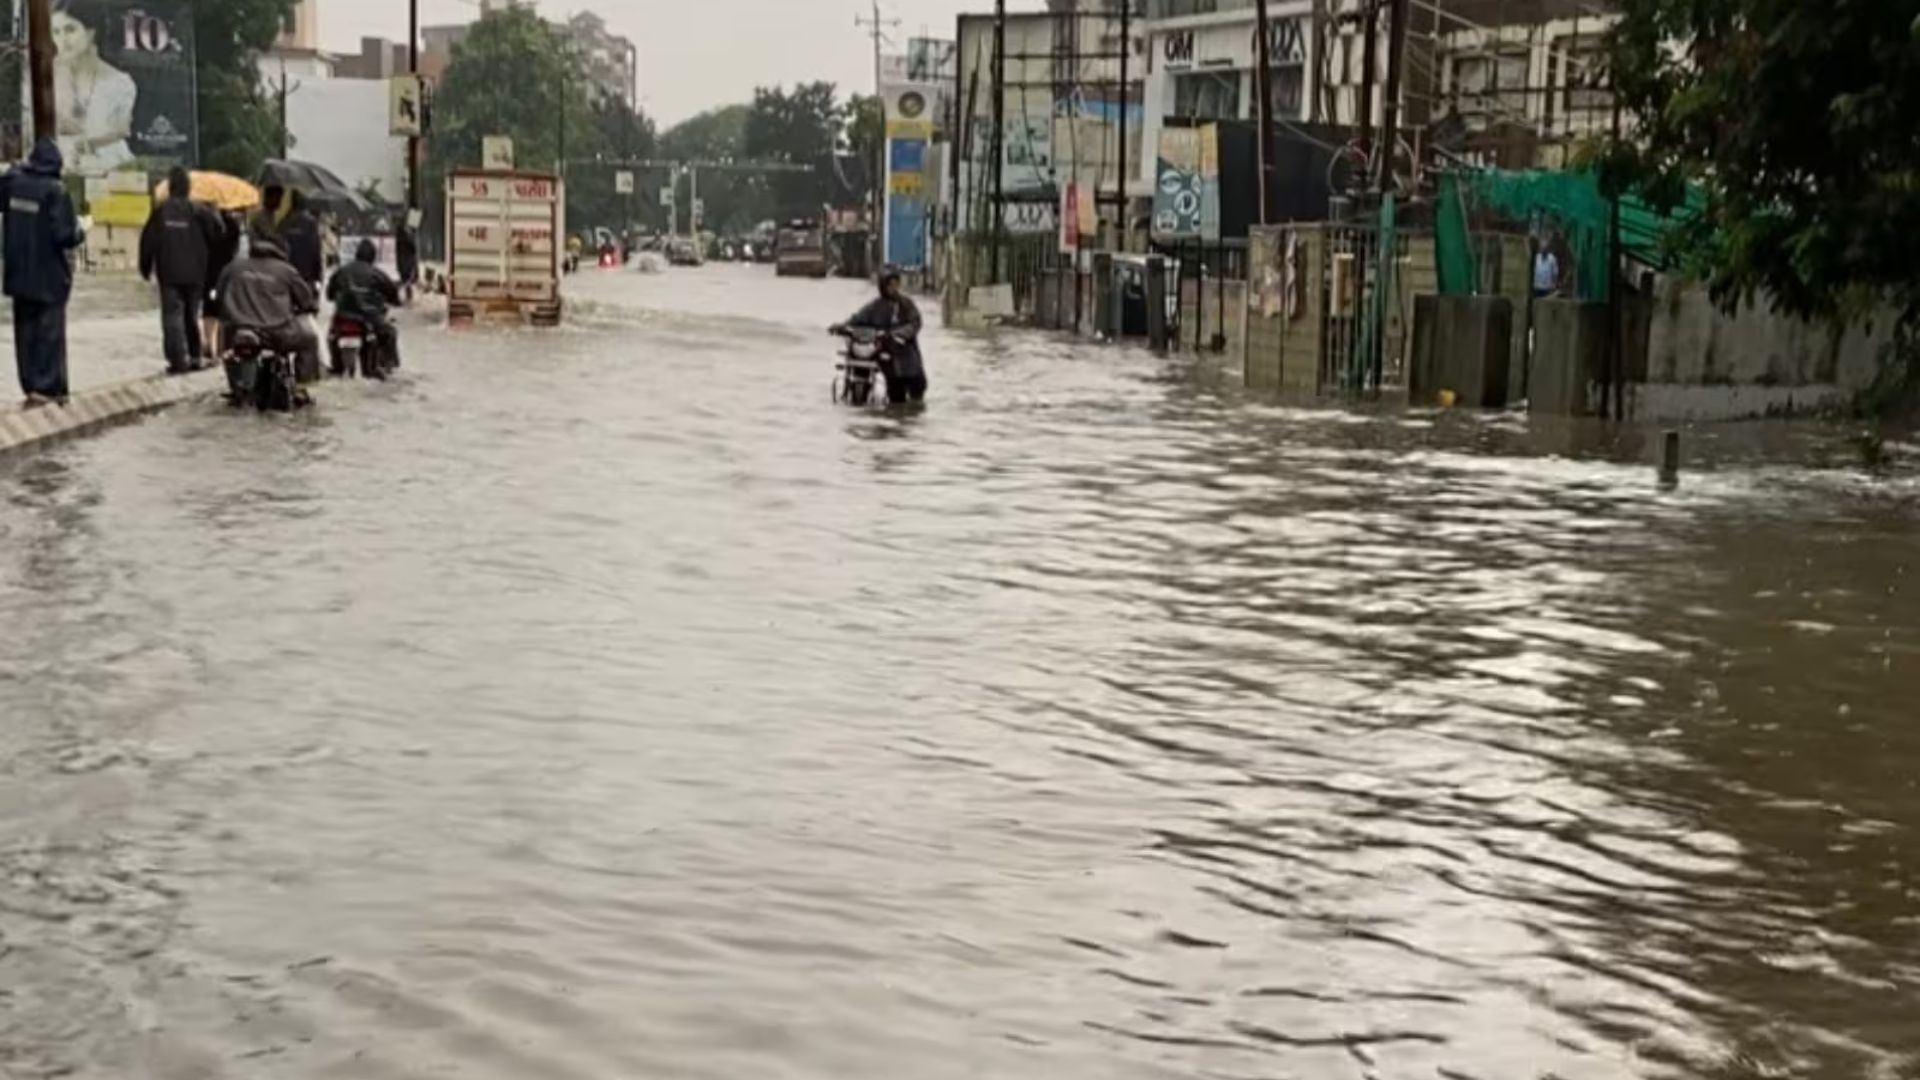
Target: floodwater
(605, 703)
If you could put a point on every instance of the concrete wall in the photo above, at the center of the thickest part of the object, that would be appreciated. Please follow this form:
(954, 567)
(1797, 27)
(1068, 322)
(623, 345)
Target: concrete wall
(1213, 306)
(1703, 363)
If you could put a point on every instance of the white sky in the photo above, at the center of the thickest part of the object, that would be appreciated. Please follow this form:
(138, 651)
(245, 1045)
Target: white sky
(695, 54)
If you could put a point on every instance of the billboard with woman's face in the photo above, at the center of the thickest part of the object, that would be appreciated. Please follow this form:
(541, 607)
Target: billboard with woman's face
(123, 85)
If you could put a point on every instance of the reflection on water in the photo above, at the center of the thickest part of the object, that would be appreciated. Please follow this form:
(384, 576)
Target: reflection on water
(606, 703)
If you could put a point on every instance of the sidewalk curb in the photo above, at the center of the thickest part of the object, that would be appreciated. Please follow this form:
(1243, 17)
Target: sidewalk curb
(90, 410)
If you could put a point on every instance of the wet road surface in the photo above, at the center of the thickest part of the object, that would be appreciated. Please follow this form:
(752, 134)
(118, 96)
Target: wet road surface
(604, 703)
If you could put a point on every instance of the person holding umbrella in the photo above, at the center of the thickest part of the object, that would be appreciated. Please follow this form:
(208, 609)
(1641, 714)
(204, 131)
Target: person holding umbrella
(178, 247)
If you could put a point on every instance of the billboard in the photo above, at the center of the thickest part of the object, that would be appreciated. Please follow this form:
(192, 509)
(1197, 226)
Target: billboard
(123, 85)
(910, 190)
(1186, 192)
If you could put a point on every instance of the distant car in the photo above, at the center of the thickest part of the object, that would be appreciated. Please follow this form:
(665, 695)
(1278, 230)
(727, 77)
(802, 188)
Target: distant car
(684, 253)
(802, 252)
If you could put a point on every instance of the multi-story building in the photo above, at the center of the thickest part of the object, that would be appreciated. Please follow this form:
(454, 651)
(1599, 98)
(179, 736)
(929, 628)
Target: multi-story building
(1521, 75)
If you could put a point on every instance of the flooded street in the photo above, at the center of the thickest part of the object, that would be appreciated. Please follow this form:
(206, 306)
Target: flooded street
(605, 703)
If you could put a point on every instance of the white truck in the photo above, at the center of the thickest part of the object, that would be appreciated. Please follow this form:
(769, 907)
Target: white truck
(505, 244)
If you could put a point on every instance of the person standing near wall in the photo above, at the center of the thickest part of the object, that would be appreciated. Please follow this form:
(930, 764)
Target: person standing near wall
(177, 247)
(41, 234)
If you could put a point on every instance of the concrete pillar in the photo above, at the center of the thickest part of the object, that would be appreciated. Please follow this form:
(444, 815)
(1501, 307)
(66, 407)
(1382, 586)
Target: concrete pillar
(1157, 303)
(1104, 309)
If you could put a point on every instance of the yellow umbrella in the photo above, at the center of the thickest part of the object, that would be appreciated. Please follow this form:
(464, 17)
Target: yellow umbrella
(219, 190)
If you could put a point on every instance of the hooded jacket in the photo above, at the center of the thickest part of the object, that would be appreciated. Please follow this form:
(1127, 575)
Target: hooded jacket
(361, 289)
(263, 291)
(41, 229)
(179, 243)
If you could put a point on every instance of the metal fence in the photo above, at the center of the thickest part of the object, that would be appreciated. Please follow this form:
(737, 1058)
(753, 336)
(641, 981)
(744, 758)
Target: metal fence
(1360, 328)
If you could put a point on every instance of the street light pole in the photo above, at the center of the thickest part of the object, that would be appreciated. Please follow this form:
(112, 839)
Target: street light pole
(413, 141)
(40, 64)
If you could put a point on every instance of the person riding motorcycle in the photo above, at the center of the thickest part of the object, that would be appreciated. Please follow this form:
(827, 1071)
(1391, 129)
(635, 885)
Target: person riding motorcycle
(898, 320)
(363, 292)
(265, 294)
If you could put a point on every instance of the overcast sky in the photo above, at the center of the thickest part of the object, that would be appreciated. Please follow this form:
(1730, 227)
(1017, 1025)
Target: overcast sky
(695, 54)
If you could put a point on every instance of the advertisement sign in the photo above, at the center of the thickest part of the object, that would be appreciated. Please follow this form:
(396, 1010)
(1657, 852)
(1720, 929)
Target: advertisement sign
(1186, 192)
(1176, 189)
(124, 82)
(496, 152)
(405, 111)
(908, 191)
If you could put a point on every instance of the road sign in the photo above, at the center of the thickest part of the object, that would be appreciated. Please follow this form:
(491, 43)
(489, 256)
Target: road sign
(406, 114)
(699, 210)
(496, 152)
(666, 195)
(623, 183)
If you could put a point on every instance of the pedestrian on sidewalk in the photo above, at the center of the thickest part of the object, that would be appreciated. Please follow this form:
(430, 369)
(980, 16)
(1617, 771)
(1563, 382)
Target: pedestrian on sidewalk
(300, 235)
(177, 247)
(234, 226)
(41, 234)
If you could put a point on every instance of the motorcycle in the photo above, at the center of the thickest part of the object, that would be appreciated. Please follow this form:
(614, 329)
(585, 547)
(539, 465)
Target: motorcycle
(261, 376)
(863, 364)
(357, 350)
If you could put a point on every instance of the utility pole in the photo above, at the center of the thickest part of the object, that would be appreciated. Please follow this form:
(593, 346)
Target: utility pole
(1390, 108)
(876, 193)
(1369, 30)
(1126, 51)
(46, 124)
(997, 214)
(1263, 87)
(285, 147)
(413, 141)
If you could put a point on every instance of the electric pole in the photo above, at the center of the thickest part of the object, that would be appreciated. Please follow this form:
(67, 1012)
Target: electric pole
(1263, 86)
(1390, 108)
(46, 124)
(1126, 89)
(413, 141)
(877, 199)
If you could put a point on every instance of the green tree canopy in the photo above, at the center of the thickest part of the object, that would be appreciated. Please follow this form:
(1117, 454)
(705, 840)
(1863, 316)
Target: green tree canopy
(512, 76)
(802, 126)
(735, 202)
(1800, 122)
(239, 127)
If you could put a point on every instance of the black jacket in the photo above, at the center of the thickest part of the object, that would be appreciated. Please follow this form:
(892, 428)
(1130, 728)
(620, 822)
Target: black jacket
(41, 231)
(301, 233)
(901, 319)
(179, 244)
(363, 290)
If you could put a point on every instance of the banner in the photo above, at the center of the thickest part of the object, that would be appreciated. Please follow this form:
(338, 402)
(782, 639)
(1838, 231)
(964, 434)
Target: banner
(123, 85)
(1176, 189)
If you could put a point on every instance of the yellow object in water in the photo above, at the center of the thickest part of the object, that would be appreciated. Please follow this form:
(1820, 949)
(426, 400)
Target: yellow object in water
(1447, 398)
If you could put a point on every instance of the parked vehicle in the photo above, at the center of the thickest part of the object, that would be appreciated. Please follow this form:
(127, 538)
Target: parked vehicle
(801, 252)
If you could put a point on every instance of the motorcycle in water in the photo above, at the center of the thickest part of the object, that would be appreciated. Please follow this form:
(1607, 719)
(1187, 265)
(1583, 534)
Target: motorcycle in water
(863, 364)
(261, 376)
(357, 350)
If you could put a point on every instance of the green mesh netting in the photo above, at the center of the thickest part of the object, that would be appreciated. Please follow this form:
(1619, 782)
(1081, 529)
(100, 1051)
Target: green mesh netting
(1569, 201)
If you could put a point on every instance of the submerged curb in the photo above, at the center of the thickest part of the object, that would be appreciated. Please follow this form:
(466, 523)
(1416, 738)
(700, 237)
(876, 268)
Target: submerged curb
(90, 410)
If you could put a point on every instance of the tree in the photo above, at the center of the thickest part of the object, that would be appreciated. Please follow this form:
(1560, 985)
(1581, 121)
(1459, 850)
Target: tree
(735, 202)
(512, 76)
(802, 127)
(867, 133)
(239, 127)
(616, 133)
(1798, 121)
